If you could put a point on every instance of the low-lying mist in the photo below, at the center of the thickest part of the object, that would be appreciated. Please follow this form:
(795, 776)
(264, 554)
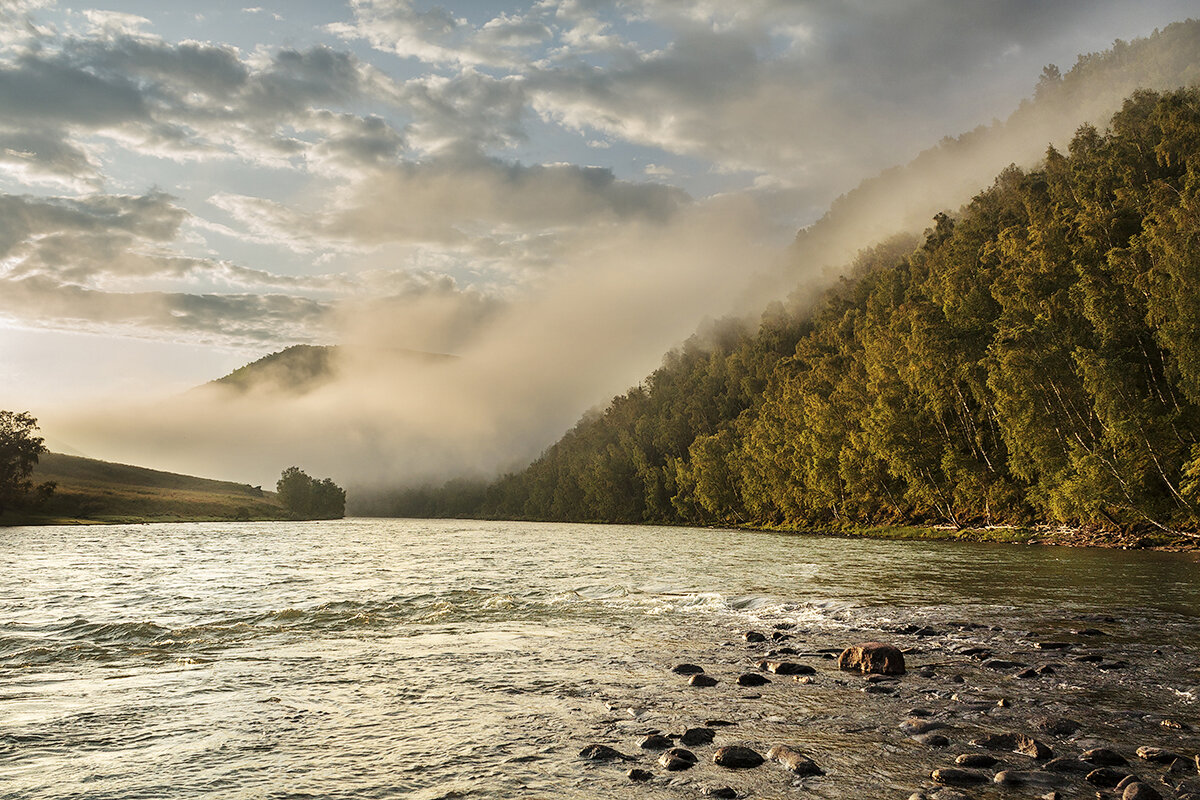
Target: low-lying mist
(389, 417)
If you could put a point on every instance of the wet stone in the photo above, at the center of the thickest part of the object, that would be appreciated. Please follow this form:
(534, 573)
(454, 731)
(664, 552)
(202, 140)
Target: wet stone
(1105, 777)
(736, 757)
(694, 736)
(751, 679)
(1069, 765)
(1103, 757)
(702, 680)
(687, 669)
(954, 776)
(656, 741)
(717, 791)
(1022, 777)
(1139, 791)
(976, 760)
(602, 752)
(1156, 755)
(872, 658)
(639, 775)
(794, 761)
(677, 759)
(754, 637)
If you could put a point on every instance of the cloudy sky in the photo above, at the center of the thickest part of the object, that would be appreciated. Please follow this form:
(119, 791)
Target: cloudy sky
(185, 187)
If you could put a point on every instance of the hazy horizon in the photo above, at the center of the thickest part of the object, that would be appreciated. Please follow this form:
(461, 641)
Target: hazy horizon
(556, 192)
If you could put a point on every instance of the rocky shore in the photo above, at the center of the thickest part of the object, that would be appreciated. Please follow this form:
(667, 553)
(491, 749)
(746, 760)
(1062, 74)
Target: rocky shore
(946, 711)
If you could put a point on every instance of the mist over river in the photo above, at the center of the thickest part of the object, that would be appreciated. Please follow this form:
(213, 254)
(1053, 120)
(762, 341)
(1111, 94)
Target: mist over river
(435, 659)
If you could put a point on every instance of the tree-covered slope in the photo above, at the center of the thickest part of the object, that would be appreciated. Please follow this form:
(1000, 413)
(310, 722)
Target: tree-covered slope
(1035, 358)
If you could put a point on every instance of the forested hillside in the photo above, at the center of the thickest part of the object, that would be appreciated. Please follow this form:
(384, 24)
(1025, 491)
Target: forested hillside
(1035, 358)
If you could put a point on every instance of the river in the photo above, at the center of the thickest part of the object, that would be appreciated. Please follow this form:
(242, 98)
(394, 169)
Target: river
(371, 658)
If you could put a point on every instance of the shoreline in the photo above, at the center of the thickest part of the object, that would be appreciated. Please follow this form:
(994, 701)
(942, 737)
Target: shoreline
(1073, 710)
(1039, 535)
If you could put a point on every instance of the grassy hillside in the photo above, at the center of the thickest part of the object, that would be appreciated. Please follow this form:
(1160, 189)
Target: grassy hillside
(98, 491)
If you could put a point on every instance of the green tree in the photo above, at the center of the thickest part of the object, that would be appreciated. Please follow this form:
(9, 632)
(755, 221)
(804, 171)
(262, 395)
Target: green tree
(19, 451)
(307, 498)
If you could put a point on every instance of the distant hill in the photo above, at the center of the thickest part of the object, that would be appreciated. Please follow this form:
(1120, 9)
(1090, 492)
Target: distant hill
(99, 491)
(298, 369)
(303, 368)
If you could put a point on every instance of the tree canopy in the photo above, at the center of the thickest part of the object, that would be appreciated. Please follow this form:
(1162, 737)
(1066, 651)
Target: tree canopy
(19, 451)
(1035, 358)
(308, 498)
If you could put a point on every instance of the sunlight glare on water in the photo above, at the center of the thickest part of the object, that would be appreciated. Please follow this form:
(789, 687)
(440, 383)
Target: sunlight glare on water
(398, 658)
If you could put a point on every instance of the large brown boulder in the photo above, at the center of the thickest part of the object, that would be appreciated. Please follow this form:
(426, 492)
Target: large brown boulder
(872, 657)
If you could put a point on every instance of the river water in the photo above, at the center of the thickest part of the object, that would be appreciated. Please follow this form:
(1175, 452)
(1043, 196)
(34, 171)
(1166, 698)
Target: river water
(444, 659)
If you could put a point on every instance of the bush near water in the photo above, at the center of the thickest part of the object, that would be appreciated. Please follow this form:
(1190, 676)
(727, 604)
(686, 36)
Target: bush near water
(1036, 358)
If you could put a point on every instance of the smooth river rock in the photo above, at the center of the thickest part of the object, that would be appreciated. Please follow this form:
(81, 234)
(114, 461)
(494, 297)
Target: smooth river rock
(1156, 755)
(789, 668)
(794, 760)
(872, 658)
(639, 775)
(1103, 757)
(1106, 777)
(953, 776)
(751, 679)
(677, 759)
(656, 741)
(1023, 777)
(735, 756)
(1139, 791)
(602, 752)
(976, 760)
(702, 680)
(717, 791)
(694, 736)
(687, 669)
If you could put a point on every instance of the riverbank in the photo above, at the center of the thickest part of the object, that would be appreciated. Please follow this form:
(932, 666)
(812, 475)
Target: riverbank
(961, 709)
(1045, 534)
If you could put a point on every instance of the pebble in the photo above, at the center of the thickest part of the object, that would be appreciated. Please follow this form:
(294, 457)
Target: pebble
(754, 637)
(979, 760)
(751, 679)
(656, 741)
(792, 759)
(1140, 791)
(1103, 757)
(1105, 777)
(677, 759)
(702, 680)
(1066, 764)
(694, 736)
(953, 776)
(687, 669)
(639, 775)
(1156, 755)
(717, 791)
(735, 756)
(872, 658)
(602, 752)
(718, 723)
(1020, 777)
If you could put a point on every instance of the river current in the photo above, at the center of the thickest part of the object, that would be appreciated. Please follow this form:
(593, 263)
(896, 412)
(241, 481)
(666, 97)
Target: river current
(445, 659)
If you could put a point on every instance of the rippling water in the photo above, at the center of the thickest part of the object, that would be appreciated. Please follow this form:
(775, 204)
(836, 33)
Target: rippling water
(389, 658)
